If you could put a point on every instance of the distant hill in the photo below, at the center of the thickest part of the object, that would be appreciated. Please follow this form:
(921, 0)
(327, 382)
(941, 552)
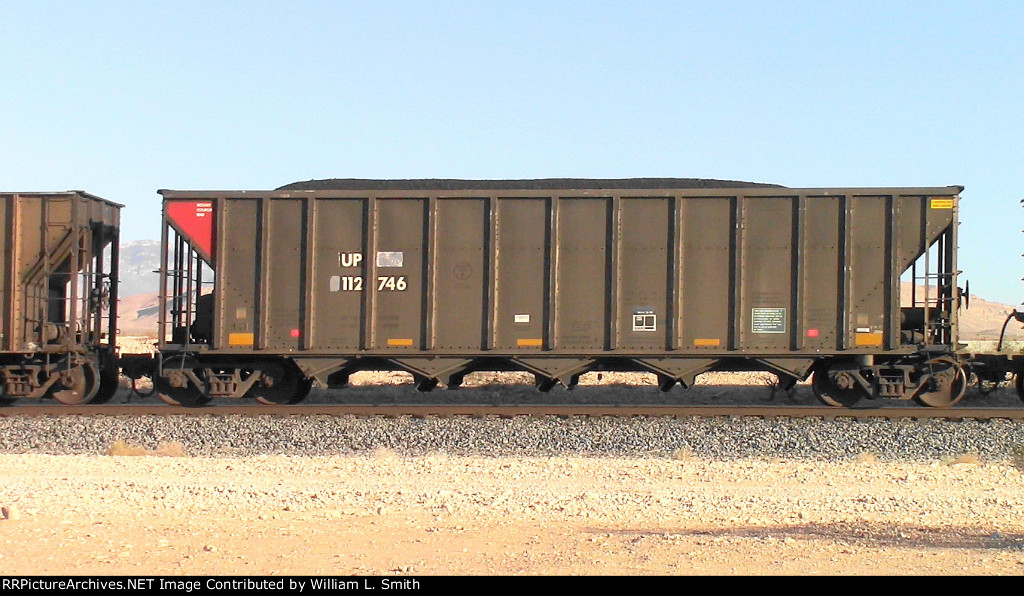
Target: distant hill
(139, 267)
(984, 319)
(129, 321)
(140, 280)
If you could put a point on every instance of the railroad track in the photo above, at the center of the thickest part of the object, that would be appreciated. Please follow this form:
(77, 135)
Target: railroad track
(449, 410)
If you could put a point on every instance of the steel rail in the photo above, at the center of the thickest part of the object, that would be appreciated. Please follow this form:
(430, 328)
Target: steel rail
(449, 410)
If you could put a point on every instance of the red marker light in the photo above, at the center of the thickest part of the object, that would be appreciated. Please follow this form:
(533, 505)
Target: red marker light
(812, 333)
(295, 333)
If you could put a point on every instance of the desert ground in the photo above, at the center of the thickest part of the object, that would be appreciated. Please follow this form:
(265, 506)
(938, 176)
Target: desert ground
(134, 511)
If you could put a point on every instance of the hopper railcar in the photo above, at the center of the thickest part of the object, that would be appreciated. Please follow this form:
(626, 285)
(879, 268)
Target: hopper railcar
(266, 292)
(58, 296)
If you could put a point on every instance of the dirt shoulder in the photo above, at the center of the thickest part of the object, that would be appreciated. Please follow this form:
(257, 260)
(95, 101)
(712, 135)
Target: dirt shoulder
(387, 514)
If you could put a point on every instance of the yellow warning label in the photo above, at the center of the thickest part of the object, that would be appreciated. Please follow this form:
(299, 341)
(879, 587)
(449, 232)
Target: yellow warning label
(241, 339)
(868, 339)
(400, 342)
(703, 341)
(942, 203)
(530, 343)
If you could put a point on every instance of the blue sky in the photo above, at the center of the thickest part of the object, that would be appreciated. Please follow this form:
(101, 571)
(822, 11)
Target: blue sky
(123, 98)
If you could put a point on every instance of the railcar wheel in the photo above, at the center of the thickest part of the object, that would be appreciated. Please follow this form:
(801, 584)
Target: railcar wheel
(278, 384)
(176, 389)
(948, 384)
(77, 385)
(1019, 384)
(835, 388)
(108, 386)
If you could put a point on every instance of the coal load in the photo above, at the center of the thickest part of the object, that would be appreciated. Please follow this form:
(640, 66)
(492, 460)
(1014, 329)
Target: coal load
(537, 184)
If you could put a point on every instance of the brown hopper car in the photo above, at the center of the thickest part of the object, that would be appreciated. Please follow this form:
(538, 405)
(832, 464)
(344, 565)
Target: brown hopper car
(58, 281)
(266, 292)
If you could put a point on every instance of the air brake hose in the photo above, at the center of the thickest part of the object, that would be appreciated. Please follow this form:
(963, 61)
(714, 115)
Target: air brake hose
(1013, 315)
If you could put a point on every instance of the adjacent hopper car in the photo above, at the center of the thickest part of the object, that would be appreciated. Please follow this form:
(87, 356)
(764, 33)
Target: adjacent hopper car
(266, 293)
(58, 296)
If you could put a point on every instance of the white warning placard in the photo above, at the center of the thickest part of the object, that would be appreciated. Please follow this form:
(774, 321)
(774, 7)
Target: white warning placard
(768, 320)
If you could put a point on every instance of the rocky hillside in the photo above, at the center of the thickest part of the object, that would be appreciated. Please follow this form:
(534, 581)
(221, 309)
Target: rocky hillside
(131, 307)
(984, 319)
(140, 263)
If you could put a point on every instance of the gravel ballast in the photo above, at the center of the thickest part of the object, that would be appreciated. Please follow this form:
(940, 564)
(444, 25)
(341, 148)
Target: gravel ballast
(717, 438)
